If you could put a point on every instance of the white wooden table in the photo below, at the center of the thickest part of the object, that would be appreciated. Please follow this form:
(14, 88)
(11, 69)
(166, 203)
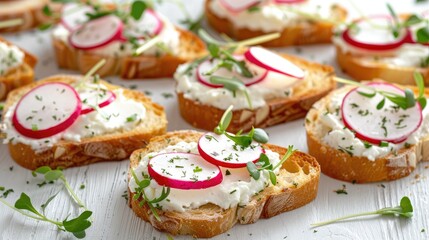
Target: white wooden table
(105, 183)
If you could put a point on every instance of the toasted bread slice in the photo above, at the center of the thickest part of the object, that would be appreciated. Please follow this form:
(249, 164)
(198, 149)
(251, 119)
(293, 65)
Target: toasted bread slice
(297, 185)
(343, 166)
(130, 67)
(17, 77)
(30, 11)
(303, 33)
(361, 68)
(318, 83)
(108, 147)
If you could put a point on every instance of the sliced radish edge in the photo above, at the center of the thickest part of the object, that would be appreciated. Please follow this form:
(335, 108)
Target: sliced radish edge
(184, 171)
(153, 32)
(221, 151)
(392, 123)
(106, 99)
(27, 121)
(71, 18)
(237, 6)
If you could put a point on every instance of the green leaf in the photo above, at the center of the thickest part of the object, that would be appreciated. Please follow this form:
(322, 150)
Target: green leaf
(398, 100)
(380, 105)
(53, 175)
(420, 82)
(253, 170)
(411, 20)
(47, 10)
(423, 35)
(406, 205)
(79, 235)
(368, 95)
(42, 170)
(260, 135)
(273, 178)
(43, 207)
(79, 224)
(265, 161)
(45, 26)
(144, 183)
(24, 203)
(164, 195)
(409, 98)
(213, 49)
(225, 120)
(137, 9)
(422, 101)
(242, 140)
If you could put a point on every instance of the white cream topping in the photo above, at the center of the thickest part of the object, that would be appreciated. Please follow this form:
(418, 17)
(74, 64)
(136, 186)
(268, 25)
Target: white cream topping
(271, 17)
(121, 115)
(10, 57)
(339, 137)
(237, 188)
(169, 38)
(222, 98)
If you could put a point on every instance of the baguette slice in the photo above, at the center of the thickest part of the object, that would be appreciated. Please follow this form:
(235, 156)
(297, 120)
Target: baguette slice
(110, 147)
(342, 166)
(297, 185)
(30, 11)
(360, 68)
(304, 33)
(130, 67)
(17, 77)
(319, 83)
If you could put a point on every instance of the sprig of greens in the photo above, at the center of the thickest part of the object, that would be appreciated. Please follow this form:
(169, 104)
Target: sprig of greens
(141, 194)
(24, 205)
(264, 164)
(405, 210)
(256, 134)
(403, 101)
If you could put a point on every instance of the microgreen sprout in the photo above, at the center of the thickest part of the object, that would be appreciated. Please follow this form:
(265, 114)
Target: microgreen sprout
(405, 210)
(24, 205)
(11, 23)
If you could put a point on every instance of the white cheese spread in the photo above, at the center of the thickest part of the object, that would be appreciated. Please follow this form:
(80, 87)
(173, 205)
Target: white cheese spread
(10, 58)
(237, 187)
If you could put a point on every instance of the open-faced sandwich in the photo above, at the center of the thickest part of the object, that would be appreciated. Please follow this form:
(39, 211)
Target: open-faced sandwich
(202, 184)
(65, 121)
(27, 13)
(374, 132)
(265, 88)
(299, 21)
(389, 47)
(16, 67)
(136, 41)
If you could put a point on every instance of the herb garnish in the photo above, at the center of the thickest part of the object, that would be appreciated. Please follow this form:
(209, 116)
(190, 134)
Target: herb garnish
(405, 209)
(342, 190)
(76, 226)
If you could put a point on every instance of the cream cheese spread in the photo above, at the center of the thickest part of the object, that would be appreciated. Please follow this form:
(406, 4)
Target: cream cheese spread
(237, 187)
(10, 58)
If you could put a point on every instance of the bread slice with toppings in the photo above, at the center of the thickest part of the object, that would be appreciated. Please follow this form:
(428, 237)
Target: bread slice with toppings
(111, 146)
(347, 166)
(297, 184)
(29, 11)
(303, 32)
(318, 82)
(18, 76)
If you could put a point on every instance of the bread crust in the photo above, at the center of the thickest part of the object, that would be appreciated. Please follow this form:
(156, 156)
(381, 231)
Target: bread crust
(19, 76)
(109, 147)
(210, 220)
(130, 67)
(361, 69)
(31, 15)
(308, 32)
(356, 169)
(276, 111)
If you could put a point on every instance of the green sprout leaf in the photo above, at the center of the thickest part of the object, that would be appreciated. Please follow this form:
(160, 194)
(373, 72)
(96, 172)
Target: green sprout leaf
(260, 135)
(273, 177)
(368, 95)
(79, 224)
(225, 119)
(24, 203)
(137, 9)
(423, 35)
(380, 105)
(253, 170)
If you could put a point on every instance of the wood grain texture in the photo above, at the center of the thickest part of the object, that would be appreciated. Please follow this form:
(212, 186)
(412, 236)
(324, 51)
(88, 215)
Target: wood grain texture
(105, 182)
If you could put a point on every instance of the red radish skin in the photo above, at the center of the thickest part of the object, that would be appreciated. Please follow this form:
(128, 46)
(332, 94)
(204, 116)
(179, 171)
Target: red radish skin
(90, 99)
(150, 24)
(208, 65)
(46, 110)
(221, 151)
(184, 171)
(348, 37)
(289, 1)
(237, 6)
(273, 62)
(74, 15)
(97, 33)
(389, 124)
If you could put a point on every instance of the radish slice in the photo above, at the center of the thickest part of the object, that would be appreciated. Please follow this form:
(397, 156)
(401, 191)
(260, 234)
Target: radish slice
(237, 6)
(206, 66)
(97, 33)
(221, 151)
(96, 97)
(184, 171)
(74, 15)
(272, 62)
(148, 25)
(389, 124)
(289, 1)
(47, 110)
(374, 34)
